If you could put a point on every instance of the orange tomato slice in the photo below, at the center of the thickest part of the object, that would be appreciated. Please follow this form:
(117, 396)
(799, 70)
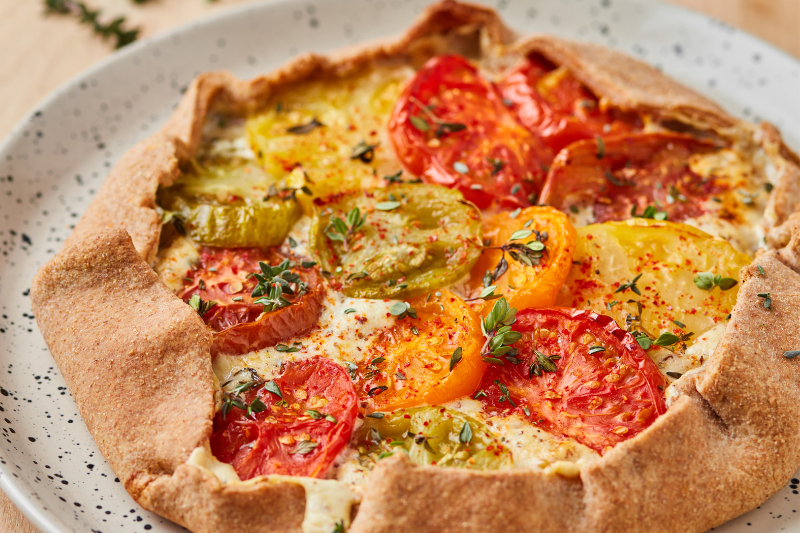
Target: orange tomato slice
(410, 363)
(523, 286)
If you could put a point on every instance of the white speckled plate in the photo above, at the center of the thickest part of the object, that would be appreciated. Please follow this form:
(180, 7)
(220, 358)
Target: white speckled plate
(53, 162)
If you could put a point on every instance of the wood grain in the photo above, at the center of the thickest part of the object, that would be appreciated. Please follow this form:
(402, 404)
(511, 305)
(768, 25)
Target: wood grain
(41, 52)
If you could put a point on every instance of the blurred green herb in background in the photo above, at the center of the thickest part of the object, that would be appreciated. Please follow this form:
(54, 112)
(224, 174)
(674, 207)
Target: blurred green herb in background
(115, 28)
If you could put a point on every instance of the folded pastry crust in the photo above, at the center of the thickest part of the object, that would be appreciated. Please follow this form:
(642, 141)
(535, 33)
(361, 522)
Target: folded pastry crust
(138, 363)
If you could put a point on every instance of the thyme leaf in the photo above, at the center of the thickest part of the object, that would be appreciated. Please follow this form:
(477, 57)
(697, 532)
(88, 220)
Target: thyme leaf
(198, 304)
(630, 285)
(465, 435)
(455, 358)
(363, 152)
(402, 310)
(305, 447)
(650, 212)
(340, 230)
(707, 281)
(767, 300)
(308, 127)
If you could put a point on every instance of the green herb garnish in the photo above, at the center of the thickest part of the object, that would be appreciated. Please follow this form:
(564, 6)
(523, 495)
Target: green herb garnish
(707, 281)
(198, 304)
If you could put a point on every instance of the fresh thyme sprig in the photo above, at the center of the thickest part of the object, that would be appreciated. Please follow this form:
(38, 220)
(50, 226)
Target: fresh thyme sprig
(630, 285)
(339, 230)
(529, 254)
(115, 28)
(233, 399)
(402, 310)
(442, 128)
(273, 282)
(650, 212)
(201, 306)
(542, 363)
(505, 394)
(496, 328)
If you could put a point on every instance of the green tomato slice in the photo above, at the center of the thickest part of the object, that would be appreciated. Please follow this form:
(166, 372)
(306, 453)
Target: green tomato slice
(229, 205)
(432, 435)
(400, 241)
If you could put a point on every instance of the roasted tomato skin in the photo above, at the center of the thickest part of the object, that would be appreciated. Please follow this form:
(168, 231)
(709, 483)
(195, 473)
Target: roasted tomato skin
(525, 286)
(635, 171)
(552, 103)
(488, 157)
(241, 326)
(599, 399)
(268, 442)
(410, 363)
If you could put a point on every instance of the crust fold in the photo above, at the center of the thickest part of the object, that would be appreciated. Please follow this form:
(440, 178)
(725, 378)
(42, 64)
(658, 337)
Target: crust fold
(456, 500)
(134, 356)
(197, 500)
(628, 83)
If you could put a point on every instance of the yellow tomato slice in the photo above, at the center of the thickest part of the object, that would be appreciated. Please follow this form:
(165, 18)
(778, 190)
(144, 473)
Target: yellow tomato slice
(410, 363)
(668, 256)
(526, 286)
(310, 132)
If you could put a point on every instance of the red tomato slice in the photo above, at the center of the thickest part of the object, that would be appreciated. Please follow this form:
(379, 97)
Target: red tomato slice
(241, 326)
(599, 399)
(552, 103)
(285, 438)
(484, 152)
(634, 170)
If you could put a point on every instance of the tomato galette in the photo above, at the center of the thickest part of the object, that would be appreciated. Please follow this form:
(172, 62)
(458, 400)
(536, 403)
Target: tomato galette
(459, 281)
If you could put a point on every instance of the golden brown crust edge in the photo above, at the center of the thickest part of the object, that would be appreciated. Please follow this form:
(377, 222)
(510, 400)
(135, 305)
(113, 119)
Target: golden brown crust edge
(643, 468)
(628, 83)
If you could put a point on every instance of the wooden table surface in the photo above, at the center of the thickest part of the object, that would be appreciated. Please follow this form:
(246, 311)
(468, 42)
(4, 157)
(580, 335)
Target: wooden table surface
(42, 52)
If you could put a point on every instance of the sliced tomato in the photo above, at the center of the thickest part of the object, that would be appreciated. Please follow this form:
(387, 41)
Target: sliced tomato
(412, 363)
(450, 127)
(224, 276)
(299, 433)
(604, 390)
(556, 106)
(634, 170)
(524, 286)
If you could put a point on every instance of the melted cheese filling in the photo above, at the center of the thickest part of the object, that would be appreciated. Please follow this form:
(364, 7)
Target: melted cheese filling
(736, 215)
(531, 447)
(341, 335)
(174, 261)
(328, 502)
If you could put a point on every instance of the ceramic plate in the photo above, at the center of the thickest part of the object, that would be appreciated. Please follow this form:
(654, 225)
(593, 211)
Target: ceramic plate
(54, 161)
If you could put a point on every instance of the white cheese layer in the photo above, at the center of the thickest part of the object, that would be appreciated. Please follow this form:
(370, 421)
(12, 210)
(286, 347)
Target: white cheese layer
(328, 502)
(205, 460)
(531, 447)
(344, 332)
(174, 261)
(225, 138)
